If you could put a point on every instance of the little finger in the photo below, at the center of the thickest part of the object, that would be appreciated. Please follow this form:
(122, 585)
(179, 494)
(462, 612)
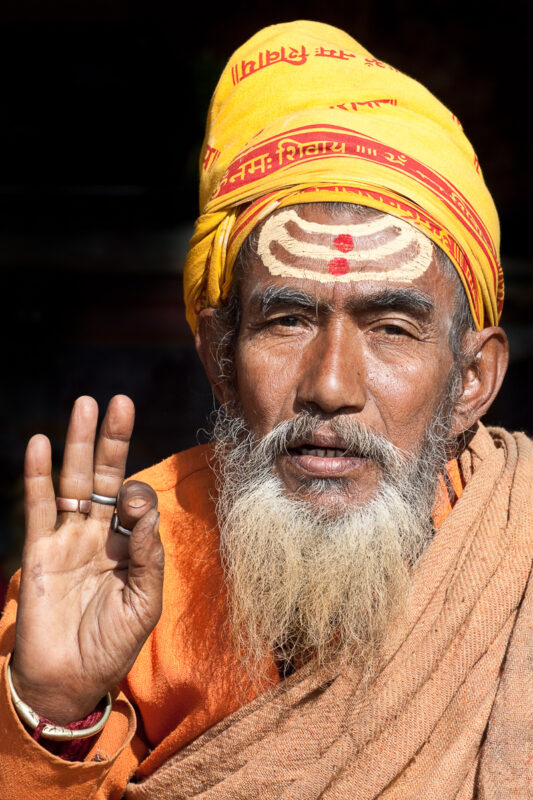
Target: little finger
(39, 498)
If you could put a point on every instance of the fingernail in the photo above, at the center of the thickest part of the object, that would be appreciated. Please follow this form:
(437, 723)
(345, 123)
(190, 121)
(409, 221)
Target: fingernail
(137, 502)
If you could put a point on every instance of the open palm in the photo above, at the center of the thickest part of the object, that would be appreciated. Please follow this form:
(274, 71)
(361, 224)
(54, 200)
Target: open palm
(89, 596)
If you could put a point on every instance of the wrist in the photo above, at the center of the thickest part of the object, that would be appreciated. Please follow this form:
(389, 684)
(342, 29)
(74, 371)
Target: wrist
(52, 703)
(80, 729)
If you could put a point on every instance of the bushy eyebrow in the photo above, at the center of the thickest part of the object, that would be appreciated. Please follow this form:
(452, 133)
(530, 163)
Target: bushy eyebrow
(411, 301)
(284, 296)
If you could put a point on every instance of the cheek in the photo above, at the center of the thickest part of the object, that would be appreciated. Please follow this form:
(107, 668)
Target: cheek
(267, 378)
(406, 396)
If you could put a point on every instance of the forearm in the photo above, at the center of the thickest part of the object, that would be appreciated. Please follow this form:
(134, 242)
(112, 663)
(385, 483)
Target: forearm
(28, 770)
(77, 616)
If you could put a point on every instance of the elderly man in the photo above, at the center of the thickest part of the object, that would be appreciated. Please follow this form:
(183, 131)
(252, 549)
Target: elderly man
(345, 611)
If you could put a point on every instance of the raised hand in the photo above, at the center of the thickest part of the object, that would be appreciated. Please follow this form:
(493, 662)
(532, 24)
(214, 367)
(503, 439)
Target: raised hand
(89, 596)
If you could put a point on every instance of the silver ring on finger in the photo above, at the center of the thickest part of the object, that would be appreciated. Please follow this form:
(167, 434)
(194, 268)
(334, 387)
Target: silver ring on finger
(73, 504)
(103, 500)
(116, 526)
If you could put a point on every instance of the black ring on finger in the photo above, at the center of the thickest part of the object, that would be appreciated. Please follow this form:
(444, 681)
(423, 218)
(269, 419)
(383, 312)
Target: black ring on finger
(116, 526)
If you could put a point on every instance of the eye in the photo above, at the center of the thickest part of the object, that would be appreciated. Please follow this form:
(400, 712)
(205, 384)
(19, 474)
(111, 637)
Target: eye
(288, 321)
(394, 330)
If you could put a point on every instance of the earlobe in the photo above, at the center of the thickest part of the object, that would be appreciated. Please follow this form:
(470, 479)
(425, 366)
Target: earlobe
(207, 341)
(483, 375)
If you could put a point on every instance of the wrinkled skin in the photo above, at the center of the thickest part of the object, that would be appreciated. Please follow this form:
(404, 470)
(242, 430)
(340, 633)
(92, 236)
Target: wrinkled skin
(347, 353)
(90, 597)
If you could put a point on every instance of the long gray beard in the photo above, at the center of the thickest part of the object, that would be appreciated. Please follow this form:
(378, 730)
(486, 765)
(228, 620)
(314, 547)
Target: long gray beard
(307, 582)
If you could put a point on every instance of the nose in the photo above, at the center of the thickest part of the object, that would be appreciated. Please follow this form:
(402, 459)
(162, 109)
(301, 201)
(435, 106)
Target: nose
(333, 371)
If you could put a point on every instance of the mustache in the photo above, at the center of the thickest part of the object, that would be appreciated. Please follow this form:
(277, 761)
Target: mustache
(307, 582)
(346, 433)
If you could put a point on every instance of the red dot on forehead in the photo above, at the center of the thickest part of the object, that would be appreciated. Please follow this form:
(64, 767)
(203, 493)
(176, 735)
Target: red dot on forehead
(338, 266)
(343, 242)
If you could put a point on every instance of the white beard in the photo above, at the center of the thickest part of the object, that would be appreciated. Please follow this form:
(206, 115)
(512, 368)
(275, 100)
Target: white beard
(308, 583)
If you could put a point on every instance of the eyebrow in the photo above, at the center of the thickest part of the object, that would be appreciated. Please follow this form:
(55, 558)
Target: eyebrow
(411, 301)
(284, 296)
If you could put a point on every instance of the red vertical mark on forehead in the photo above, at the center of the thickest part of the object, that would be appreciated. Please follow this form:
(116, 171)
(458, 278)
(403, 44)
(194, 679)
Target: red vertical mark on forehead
(343, 242)
(338, 266)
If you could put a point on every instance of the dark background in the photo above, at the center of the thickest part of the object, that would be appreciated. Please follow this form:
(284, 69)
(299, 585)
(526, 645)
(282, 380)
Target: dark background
(102, 107)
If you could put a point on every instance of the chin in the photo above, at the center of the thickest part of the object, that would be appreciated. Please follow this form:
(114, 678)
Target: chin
(332, 496)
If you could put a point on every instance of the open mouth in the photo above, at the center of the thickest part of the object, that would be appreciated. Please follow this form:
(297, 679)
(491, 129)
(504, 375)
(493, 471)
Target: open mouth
(321, 452)
(326, 456)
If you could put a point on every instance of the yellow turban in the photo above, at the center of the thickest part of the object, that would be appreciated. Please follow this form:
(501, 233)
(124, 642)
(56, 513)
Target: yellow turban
(303, 113)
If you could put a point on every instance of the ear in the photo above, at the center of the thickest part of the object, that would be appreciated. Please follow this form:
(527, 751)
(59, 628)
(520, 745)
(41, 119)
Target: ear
(482, 376)
(207, 340)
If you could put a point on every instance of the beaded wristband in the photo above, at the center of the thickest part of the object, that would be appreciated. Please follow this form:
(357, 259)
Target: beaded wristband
(54, 732)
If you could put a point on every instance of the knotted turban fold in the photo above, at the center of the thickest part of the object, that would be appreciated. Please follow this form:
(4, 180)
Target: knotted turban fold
(303, 113)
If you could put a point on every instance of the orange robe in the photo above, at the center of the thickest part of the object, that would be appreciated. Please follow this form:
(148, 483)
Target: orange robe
(186, 677)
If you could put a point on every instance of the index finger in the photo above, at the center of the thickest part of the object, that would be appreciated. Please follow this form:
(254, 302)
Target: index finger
(111, 452)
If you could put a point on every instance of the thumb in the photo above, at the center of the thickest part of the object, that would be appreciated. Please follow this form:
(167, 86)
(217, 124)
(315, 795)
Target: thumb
(144, 587)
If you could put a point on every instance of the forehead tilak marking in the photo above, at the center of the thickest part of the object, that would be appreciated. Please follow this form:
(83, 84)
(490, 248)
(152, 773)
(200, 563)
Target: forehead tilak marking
(407, 250)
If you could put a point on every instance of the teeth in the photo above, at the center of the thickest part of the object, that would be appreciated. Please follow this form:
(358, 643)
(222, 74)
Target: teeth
(322, 452)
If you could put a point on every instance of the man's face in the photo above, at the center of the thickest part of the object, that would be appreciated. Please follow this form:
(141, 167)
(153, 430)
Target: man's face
(342, 402)
(345, 318)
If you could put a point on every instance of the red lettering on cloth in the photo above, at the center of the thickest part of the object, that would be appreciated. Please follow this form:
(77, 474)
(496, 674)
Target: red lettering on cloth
(318, 142)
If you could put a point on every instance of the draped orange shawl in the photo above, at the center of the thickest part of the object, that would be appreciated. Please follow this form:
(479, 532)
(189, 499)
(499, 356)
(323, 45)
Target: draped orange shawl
(451, 713)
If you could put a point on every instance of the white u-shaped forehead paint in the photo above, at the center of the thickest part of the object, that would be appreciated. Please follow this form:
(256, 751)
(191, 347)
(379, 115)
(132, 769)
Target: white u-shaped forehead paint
(377, 249)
